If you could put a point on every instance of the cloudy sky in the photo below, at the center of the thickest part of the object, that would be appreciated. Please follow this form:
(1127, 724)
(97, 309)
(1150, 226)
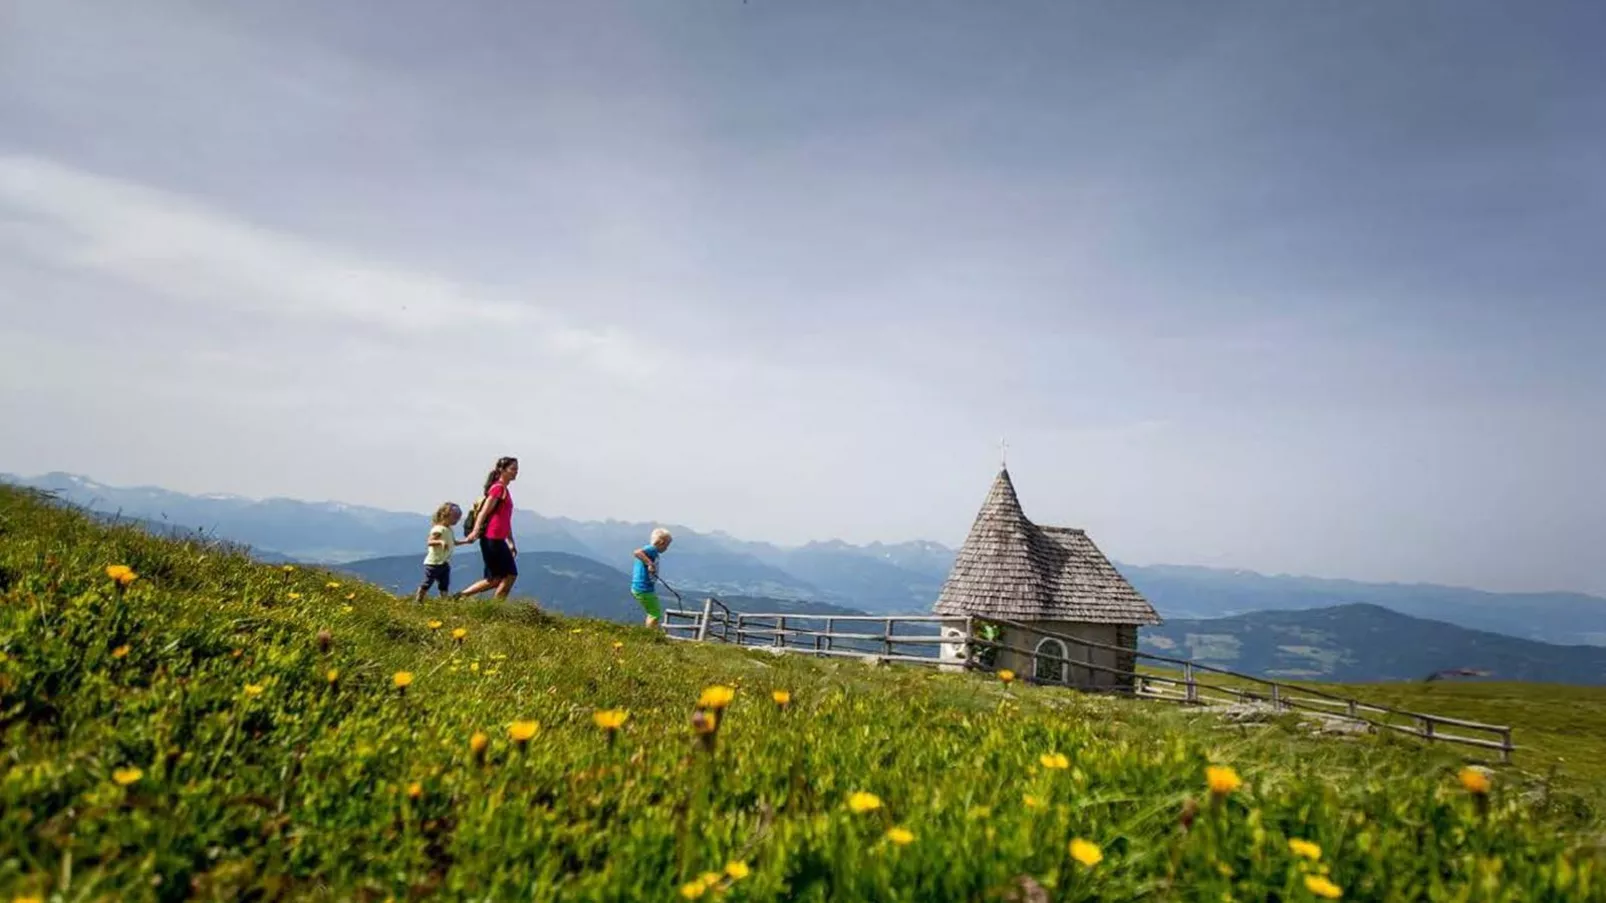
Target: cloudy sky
(1307, 287)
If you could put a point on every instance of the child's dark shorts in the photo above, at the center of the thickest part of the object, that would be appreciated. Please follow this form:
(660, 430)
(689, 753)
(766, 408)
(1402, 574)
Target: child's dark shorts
(437, 575)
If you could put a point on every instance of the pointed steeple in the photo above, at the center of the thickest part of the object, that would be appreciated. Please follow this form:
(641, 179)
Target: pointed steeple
(1012, 568)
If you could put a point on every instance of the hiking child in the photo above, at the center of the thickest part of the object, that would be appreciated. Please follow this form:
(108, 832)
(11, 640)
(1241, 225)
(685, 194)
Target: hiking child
(644, 582)
(493, 527)
(438, 559)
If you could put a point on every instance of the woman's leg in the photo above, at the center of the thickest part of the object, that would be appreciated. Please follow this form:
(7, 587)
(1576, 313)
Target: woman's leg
(475, 588)
(506, 586)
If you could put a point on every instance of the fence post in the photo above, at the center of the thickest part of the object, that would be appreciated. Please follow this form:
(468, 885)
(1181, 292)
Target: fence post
(1276, 697)
(1505, 746)
(1192, 693)
(780, 632)
(1354, 709)
(702, 623)
(886, 637)
(830, 628)
(1427, 729)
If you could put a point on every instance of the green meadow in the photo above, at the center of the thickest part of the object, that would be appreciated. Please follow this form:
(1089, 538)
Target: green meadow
(204, 727)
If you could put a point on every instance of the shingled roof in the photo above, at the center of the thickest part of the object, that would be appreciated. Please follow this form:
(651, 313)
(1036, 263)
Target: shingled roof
(1011, 568)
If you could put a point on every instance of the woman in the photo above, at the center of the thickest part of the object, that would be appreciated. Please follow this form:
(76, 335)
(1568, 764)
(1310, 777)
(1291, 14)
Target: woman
(493, 527)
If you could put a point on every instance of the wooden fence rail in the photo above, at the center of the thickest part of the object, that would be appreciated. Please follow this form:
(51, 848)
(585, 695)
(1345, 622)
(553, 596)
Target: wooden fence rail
(817, 634)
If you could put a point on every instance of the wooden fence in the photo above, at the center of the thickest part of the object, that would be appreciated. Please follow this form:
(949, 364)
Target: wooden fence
(918, 639)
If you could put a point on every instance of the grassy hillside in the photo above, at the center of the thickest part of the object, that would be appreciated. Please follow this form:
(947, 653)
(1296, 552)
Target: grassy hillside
(192, 736)
(1367, 642)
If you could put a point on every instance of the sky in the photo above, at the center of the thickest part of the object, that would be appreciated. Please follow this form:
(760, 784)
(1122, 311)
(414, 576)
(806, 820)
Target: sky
(1299, 287)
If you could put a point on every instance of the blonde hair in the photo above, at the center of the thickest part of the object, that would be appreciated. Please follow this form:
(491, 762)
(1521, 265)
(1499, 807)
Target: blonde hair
(444, 512)
(658, 534)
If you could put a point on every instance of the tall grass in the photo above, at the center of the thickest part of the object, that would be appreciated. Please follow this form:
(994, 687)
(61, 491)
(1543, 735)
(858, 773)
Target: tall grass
(219, 729)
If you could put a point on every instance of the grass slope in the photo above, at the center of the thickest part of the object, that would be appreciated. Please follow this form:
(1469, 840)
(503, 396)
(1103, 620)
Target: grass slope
(184, 739)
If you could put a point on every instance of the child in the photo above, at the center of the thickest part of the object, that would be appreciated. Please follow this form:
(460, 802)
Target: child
(644, 581)
(438, 560)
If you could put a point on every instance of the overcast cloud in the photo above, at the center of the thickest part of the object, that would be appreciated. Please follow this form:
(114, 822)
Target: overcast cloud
(1300, 287)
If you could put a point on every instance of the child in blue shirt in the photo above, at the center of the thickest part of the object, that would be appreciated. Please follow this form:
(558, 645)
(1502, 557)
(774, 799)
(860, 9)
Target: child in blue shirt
(644, 582)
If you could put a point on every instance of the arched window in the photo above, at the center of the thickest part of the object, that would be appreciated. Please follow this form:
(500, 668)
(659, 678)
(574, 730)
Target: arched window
(1050, 664)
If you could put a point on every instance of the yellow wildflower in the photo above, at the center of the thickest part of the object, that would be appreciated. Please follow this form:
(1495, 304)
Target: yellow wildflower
(458, 633)
(333, 675)
(1321, 887)
(120, 651)
(402, 679)
(349, 597)
(862, 802)
(1304, 848)
(1475, 780)
(716, 697)
(691, 890)
(520, 732)
(1222, 780)
(617, 645)
(478, 742)
(1033, 802)
(1086, 852)
(1054, 761)
(294, 596)
(289, 568)
(1006, 675)
(901, 836)
(253, 689)
(610, 719)
(126, 776)
(434, 624)
(415, 790)
(332, 584)
(737, 869)
(782, 698)
(121, 574)
(709, 879)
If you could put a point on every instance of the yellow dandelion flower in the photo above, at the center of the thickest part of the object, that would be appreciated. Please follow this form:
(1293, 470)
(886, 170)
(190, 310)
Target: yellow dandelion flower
(782, 698)
(1033, 802)
(402, 679)
(617, 645)
(709, 879)
(1086, 852)
(1222, 780)
(253, 689)
(1054, 761)
(349, 597)
(116, 571)
(1304, 848)
(346, 609)
(289, 569)
(861, 802)
(333, 584)
(474, 666)
(126, 776)
(610, 719)
(415, 790)
(478, 742)
(692, 890)
(458, 633)
(120, 651)
(520, 732)
(434, 624)
(1475, 780)
(294, 596)
(577, 630)
(333, 676)
(737, 869)
(1321, 887)
(1006, 675)
(901, 836)
(716, 697)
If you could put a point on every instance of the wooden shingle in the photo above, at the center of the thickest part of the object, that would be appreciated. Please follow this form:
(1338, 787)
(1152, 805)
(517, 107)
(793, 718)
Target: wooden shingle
(1011, 568)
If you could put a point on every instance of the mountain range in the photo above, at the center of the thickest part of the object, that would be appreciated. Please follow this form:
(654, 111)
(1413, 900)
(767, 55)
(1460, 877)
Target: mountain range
(879, 578)
(1363, 643)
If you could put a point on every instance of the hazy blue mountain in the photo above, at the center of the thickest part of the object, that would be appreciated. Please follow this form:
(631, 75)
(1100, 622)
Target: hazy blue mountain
(1196, 592)
(1358, 643)
(572, 584)
(878, 578)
